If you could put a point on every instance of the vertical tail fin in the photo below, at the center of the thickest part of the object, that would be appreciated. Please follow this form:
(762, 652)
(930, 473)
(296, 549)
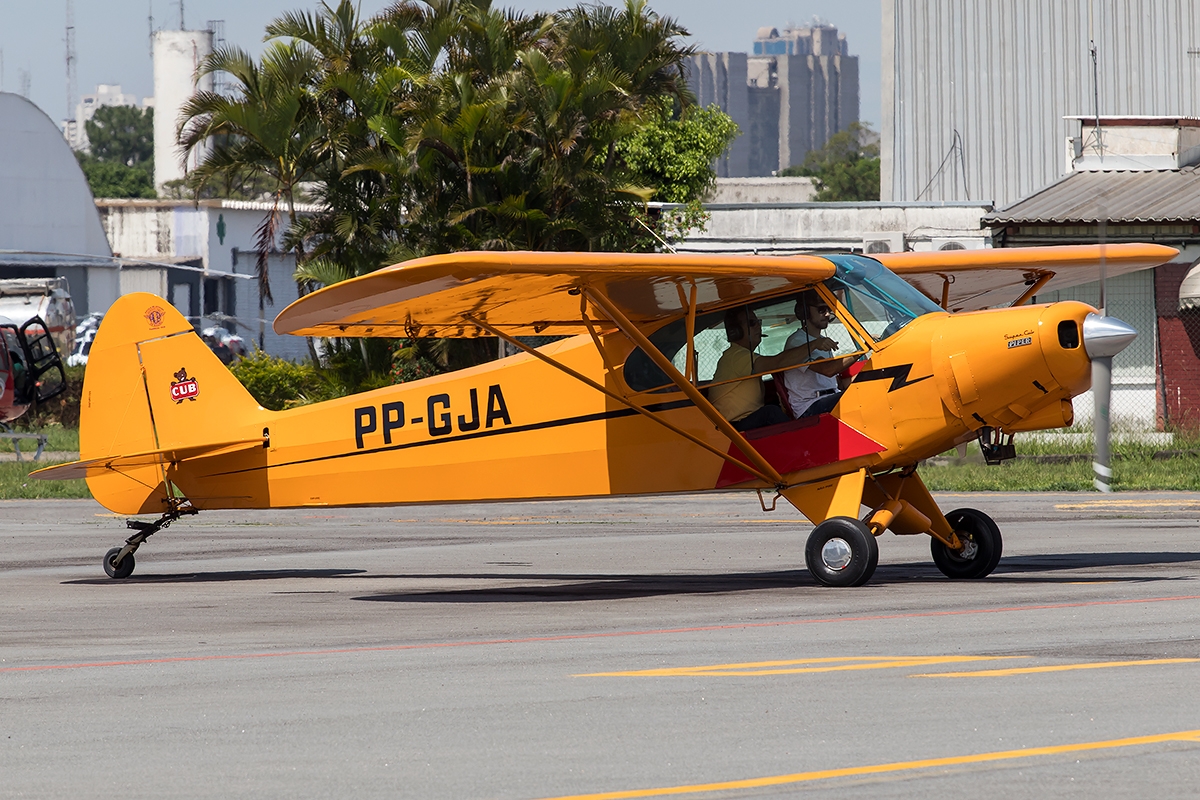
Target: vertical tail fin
(151, 384)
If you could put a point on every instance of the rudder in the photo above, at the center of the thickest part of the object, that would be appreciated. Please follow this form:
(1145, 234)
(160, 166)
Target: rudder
(152, 383)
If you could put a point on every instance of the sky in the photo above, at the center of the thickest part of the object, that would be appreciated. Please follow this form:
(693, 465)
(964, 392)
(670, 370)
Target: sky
(112, 37)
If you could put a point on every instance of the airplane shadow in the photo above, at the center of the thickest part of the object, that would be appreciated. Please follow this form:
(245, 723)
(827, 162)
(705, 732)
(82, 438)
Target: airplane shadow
(618, 587)
(566, 587)
(220, 577)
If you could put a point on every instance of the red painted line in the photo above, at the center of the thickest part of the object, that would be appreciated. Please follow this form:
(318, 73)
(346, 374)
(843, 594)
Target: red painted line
(613, 634)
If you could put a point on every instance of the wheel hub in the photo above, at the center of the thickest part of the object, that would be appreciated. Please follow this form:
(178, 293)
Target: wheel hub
(969, 549)
(836, 554)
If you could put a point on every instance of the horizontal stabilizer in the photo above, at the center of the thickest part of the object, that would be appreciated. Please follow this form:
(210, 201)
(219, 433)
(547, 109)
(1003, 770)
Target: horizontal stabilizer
(171, 455)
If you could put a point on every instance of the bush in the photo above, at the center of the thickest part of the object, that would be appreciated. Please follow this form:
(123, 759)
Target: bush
(277, 383)
(61, 410)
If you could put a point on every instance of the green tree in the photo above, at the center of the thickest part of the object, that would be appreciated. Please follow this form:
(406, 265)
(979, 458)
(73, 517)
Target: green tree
(266, 131)
(120, 157)
(114, 180)
(121, 135)
(673, 153)
(846, 168)
(448, 125)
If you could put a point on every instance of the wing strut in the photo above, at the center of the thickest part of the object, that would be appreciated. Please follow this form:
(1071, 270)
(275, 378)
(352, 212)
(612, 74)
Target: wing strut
(624, 401)
(1035, 281)
(764, 469)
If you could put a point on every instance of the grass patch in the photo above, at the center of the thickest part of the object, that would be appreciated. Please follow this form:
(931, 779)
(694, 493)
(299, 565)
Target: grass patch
(1181, 474)
(1136, 466)
(15, 483)
(59, 439)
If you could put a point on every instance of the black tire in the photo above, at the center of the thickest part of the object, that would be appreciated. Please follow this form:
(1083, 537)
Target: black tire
(982, 539)
(123, 570)
(841, 552)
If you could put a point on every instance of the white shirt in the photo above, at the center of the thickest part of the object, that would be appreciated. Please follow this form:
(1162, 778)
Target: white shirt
(803, 386)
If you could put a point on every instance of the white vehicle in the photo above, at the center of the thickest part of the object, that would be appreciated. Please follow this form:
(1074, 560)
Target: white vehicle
(85, 332)
(22, 299)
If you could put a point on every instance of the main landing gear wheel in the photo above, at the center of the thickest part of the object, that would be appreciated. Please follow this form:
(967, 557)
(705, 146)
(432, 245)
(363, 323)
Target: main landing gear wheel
(841, 552)
(122, 570)
(982, 546)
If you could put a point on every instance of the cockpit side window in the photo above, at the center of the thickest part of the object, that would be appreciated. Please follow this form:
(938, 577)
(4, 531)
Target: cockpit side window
(780, 326)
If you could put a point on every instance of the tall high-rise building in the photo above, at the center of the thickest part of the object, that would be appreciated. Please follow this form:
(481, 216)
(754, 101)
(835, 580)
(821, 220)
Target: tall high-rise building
(797, 89)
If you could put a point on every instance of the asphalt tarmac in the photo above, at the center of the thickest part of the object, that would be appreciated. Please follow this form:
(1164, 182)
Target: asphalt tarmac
(615, 648)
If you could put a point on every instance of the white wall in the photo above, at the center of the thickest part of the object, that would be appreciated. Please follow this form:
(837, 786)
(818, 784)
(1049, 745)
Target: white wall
(221, 236)
(793, 227)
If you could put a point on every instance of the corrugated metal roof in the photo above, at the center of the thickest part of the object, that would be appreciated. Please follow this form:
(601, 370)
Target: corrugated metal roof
(1167, 196)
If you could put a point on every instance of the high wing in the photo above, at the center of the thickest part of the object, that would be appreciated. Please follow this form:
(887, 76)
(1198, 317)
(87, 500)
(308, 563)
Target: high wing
(530, 293)
(968, 280)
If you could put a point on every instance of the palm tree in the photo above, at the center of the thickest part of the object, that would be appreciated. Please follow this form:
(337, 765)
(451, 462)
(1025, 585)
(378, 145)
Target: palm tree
(266, 130)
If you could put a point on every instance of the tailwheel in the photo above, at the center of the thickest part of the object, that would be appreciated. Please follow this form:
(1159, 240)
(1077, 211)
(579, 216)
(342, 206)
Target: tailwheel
(118, 570)
(117, 565)
(841, 552)
(982, 545)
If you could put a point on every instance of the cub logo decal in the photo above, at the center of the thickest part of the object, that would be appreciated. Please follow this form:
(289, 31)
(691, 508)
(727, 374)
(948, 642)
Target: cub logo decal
(184, 388)
(155, 316)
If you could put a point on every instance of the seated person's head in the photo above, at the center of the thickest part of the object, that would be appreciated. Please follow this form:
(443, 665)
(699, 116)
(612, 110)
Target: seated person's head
(742, 326)
(812, 310)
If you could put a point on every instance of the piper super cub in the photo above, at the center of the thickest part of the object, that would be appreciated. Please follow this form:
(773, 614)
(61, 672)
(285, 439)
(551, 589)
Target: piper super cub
(663, 385)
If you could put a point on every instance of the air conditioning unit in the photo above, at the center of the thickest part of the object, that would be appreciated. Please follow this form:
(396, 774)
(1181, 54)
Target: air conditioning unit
(962, 243)
(890, 242)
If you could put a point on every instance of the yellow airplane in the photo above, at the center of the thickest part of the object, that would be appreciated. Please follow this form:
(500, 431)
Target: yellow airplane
(661, 386)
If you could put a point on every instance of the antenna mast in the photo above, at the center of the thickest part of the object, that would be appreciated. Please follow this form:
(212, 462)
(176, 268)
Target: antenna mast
(1095, 81)
(71, 61)
(150, 21)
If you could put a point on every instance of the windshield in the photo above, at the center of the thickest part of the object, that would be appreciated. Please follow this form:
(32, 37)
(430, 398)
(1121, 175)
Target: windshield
(878, 298)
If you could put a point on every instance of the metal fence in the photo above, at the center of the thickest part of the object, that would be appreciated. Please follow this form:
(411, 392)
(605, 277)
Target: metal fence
(1137, 389)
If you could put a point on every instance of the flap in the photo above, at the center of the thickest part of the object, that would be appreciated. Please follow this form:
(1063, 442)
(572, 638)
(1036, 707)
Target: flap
(531, 293)
(998, 277)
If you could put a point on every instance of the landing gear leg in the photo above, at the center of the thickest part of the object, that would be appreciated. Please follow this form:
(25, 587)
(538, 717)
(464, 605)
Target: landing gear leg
(118, 562)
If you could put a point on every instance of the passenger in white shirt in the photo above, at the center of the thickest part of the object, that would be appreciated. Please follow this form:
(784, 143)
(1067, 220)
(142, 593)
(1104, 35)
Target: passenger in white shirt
(814, 389)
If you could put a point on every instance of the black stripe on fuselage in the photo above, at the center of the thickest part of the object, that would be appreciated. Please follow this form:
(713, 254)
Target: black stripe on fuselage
(556, 423)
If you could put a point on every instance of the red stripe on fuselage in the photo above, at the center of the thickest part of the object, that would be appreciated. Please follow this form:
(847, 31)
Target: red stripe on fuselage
(800, 444)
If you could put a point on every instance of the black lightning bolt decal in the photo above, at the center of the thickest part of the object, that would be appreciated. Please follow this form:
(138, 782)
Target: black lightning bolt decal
(898, 375)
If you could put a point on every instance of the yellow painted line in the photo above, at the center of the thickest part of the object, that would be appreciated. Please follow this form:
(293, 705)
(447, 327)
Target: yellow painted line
(799, 666)
(1128, 504)
(895, 766)
(1000, 673)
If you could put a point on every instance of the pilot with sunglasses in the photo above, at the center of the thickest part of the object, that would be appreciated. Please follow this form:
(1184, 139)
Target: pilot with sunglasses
(815, 388)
